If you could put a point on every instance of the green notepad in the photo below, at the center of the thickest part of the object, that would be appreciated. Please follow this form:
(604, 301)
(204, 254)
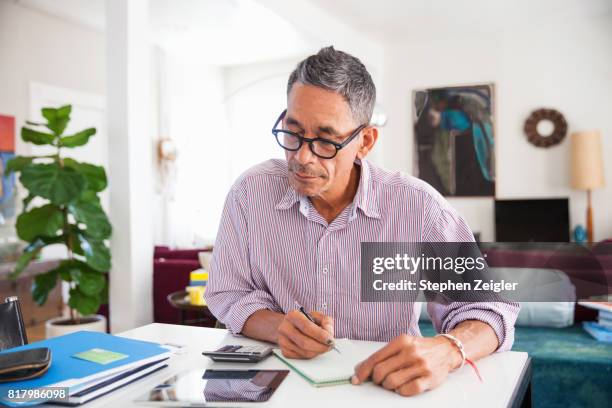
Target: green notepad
(333, 368)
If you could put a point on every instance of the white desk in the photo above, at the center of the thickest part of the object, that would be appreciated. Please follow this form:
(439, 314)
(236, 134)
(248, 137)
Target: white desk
(502, 373)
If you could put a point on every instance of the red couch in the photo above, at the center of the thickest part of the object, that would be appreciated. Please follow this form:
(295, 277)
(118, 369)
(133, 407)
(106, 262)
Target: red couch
(171, 268)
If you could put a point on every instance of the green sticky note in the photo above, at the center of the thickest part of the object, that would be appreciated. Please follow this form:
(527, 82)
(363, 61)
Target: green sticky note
(100, 356)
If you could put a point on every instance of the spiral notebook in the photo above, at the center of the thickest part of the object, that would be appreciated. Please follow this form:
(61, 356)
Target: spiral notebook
(333, 368)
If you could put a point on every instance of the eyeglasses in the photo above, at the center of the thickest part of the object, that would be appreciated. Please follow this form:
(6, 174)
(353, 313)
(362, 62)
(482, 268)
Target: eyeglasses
(320, 147)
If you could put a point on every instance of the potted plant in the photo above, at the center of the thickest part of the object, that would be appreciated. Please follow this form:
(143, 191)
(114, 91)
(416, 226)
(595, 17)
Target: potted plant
(63, 207)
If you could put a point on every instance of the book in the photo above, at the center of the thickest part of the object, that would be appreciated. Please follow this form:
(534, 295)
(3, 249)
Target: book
(598, 332)
(333, 368)
(604, 314)
(107, 384)
(604, 321)
(66, 370)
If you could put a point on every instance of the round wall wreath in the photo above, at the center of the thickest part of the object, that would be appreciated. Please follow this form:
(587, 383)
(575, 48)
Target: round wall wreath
(556, 136)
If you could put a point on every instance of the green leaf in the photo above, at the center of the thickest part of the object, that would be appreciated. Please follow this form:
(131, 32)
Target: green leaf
(40, 221)
(17, 163)
(49, 113)
(97, 254)
(103, 295)
(36, 137)
(43, 284)
(95, 176)
(31, 251)
(73, 240)
(78, 139)
(57, 119)
(90, 281)
(84, 304)
(92, 215)
(90, 196)
(64, 274)
(64, 111)
(58, 184)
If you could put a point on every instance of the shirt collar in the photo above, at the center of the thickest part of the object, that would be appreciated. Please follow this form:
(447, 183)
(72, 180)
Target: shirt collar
(366, 197)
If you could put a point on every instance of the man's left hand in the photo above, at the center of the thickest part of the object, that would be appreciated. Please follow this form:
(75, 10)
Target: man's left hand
(410, 365)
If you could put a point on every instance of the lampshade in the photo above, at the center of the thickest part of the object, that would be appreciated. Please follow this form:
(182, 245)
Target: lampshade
(587, 160)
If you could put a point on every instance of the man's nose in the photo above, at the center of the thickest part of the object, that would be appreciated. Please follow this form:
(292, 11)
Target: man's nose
(304, 154)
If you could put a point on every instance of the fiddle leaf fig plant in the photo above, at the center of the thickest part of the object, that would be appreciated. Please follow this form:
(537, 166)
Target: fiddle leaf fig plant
(68, 212)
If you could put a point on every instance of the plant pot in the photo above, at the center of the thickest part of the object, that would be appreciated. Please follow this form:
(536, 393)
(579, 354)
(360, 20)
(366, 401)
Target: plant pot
(59, 326)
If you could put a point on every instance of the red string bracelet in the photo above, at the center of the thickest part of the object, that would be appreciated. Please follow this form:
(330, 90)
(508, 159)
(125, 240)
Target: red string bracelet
(464, 359)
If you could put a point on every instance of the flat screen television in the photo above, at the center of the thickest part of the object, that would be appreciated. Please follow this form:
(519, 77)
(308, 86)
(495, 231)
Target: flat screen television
(540, 220)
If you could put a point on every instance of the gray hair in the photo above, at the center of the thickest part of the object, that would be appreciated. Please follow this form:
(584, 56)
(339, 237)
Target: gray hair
(342, 73)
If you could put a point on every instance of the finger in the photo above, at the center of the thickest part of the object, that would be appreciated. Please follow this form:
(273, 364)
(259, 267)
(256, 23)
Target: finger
(414, 387)
(364, 369)
(398, 378)
(300, 353)
(382, 370)
(303, 341)
(326, 322)
(309, 329)
(289, 349)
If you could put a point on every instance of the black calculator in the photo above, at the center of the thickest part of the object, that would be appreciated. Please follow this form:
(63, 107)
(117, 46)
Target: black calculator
(239, 354)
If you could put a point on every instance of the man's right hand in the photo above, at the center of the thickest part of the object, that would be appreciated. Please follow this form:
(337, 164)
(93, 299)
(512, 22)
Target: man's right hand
(298, 337)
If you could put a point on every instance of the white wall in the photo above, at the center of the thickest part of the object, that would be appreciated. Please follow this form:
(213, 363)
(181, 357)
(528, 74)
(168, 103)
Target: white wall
(565, 64)
(255, 94)
(197, 122)
(37, 47)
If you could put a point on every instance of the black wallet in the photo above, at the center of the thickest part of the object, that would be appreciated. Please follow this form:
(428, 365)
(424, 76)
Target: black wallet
(24, 364)
(12, 329)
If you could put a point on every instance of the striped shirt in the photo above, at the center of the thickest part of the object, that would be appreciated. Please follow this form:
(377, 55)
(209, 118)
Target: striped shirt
(273, 248)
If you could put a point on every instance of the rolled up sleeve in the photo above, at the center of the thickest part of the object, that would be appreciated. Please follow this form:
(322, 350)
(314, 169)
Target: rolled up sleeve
(231, 294)
(501, 315)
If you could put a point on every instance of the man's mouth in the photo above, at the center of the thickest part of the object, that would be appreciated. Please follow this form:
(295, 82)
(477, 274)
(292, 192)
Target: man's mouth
(304, 176)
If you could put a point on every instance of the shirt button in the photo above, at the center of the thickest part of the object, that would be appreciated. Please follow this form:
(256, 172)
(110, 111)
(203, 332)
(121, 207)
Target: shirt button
(325, 270)
(324, 305)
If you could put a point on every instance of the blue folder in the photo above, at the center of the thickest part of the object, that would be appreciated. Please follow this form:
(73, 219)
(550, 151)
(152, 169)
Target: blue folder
(64, 366)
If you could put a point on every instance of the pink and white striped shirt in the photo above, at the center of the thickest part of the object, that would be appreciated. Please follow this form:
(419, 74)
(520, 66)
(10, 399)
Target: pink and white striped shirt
(273, 248)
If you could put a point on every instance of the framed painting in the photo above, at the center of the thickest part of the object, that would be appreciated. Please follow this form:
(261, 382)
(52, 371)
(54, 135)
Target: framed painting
(7, 152)
(454, 139)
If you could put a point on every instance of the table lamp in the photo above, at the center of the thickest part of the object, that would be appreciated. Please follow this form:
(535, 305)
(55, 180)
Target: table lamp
(587, 168)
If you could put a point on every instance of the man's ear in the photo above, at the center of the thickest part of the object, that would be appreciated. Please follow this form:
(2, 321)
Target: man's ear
(368, 140)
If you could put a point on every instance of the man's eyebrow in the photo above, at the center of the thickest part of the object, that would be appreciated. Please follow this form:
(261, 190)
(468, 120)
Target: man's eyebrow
(294, 122)
(329, 130)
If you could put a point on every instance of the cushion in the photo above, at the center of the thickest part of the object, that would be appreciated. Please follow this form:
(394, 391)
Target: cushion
(539, 314)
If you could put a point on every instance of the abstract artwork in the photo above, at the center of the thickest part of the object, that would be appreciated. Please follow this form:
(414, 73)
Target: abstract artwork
(454, 142)
(7, 152)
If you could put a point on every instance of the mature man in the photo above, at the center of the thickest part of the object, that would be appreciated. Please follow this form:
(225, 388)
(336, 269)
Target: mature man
(291, 233)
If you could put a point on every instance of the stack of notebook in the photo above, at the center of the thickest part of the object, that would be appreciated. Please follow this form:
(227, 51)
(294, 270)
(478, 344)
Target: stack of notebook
(89, 365)
(602, 329)
(333, 368)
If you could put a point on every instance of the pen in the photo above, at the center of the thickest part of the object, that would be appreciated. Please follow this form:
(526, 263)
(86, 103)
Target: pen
(309, 317)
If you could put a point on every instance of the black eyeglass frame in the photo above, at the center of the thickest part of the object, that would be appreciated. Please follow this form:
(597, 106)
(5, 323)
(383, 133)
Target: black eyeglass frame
(310, 141)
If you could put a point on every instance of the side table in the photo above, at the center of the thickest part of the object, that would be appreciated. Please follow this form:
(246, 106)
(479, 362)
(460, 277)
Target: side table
(203, 317)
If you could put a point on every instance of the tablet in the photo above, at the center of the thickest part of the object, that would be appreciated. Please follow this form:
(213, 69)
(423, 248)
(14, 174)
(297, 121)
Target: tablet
(200, 387)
